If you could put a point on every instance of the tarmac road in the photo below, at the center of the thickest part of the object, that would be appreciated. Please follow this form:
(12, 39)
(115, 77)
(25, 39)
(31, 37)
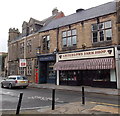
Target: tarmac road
(36, 98)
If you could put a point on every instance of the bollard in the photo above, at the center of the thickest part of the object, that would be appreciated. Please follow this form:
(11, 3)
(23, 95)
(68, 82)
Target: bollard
(83, 96)
(19, 103)
(53, 99)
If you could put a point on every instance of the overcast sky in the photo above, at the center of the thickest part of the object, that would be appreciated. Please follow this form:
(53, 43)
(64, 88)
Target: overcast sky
(14, 12)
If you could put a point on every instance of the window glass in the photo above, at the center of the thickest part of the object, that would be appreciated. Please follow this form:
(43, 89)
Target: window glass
(69, 38)
(64, 42)
(94, 27)
(69, 43)
(21, 78)
(95, 34)
(108, 34)
(48, 38)
(108, 24)
(74, 40)
(103, 32)
(12, 78)
(69, 33)
(101, 35)
(64, 34)
(48, 42)
(74, 32)
(101, 26)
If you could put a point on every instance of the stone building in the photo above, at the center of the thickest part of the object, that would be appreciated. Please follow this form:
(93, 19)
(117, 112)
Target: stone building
(80, 49)
(3, 68)
(24, 45)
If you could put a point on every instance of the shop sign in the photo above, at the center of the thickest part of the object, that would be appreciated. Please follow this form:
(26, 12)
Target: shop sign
(47, 58)
(22, 63)
(87, 54)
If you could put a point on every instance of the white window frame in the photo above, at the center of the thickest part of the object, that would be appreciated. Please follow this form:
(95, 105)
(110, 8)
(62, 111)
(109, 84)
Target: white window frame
(104, 29)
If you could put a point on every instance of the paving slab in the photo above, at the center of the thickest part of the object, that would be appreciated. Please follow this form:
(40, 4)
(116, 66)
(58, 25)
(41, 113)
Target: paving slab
(72, 108)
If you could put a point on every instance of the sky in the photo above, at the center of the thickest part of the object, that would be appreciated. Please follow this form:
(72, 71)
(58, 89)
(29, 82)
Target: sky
(14, 12)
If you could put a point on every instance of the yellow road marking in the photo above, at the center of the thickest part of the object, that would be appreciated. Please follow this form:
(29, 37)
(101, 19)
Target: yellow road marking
(110, 109)
(106, 104)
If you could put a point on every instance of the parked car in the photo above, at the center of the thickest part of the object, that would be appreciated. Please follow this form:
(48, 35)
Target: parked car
(15, 81)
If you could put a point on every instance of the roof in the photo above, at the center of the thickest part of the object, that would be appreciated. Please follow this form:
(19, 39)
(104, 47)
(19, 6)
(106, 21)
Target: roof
(36, 21)
(83, 15)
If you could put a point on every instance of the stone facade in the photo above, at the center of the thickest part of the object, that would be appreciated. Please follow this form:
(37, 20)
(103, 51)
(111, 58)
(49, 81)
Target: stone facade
(31, 39)
(23, 45)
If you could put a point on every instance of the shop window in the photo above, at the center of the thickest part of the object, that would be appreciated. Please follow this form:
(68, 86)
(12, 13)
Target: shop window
(69, 38)
(102, 32)
(101, 75)
(112, 76)
(68, 76)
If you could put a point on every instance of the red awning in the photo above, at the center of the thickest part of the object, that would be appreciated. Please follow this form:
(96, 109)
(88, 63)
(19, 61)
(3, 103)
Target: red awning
(91, 64)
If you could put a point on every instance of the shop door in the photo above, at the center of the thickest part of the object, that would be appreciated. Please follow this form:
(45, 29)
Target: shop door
(36, 75)
(43, 72)
(87, 77)
(51, 75)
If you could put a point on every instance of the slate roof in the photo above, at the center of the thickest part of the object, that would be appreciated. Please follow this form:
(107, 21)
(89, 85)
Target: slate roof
(83, 15)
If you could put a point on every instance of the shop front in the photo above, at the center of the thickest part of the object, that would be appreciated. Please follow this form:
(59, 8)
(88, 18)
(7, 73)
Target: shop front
(46, 72)
(89, 68)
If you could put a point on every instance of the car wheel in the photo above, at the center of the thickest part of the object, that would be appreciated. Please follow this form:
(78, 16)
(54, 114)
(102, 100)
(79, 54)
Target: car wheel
(10, 86)
(24, 87)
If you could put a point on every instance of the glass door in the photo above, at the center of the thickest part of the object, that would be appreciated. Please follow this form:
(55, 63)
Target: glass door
(51, 75)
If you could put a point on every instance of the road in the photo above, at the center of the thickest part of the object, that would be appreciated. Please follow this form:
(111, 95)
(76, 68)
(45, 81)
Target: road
(37, 98)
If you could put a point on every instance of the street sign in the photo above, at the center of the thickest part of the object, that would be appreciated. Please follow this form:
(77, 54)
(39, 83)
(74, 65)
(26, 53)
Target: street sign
(22, 63)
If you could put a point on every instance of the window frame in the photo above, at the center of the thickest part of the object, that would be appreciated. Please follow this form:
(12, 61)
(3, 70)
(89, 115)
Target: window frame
(21, 70)
(69, 38)
(97, 30)
(46, 42)
(29, 67)
(29, 46)
(22, 46)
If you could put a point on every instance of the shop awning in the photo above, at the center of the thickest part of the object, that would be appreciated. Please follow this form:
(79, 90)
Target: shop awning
(91, 64)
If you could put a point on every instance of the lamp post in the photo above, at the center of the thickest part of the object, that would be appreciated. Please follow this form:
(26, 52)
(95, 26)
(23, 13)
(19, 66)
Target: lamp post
(58, 78)
(57, 60)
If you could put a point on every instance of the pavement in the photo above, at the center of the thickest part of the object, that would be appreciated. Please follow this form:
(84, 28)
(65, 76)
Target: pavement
(73, 108)
(107, 91)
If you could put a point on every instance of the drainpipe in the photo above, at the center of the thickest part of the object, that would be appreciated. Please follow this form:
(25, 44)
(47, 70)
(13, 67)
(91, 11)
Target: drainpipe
(117, 61)
(25, 47)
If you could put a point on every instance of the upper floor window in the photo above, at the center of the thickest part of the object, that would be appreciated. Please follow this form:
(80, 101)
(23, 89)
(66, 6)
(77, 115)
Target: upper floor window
(46, 42)
(29, 67)
(102, 32)
(22, 48)
(29, 46)
(31, 30)
(69, 38)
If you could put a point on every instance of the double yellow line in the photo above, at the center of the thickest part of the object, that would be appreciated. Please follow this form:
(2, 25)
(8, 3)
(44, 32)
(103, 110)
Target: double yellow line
(106, 104)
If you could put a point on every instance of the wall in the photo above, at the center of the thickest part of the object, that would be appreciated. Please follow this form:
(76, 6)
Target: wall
(84, 34)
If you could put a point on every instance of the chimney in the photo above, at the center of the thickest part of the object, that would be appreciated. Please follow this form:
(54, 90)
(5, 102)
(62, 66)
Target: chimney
(79, 10)
(54, 11)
